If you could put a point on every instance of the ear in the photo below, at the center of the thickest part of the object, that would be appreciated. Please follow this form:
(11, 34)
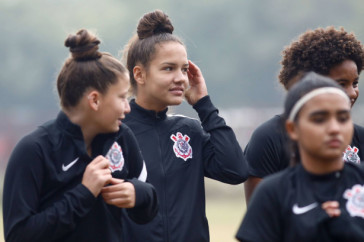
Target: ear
(291, 130)
(93, 99)
(139, 74)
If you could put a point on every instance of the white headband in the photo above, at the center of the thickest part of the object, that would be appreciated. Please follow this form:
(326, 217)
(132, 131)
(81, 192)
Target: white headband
(312, 94)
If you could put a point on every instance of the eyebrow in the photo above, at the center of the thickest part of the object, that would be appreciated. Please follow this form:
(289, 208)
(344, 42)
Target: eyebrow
(346, 80)
(320, 112)
(173, 64)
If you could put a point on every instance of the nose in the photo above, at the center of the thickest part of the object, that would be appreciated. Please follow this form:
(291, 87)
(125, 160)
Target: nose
(353, 93)
(126, 107)
(334, 126)
(181, 76)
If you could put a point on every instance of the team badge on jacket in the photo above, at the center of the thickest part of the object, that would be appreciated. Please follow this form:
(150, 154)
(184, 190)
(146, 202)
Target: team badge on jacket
(355, 203)
(116, 158)
(351, 155)
(181, 147)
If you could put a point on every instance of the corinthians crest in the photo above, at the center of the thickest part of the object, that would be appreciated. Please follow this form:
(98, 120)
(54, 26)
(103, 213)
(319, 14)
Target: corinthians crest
(181, 147)
(116, 158)
(351, 155)
(355, 203)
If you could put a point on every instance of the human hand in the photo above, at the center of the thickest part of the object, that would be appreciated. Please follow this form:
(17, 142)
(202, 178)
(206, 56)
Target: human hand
(97, 175)
(119, 193)
(197, 89)
(331, 208)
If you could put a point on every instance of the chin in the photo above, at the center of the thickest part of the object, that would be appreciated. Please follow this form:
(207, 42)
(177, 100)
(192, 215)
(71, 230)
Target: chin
(175, 101)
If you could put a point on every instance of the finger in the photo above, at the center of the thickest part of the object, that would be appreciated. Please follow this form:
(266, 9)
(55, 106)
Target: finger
(330, 204)
(192, 66)
(102, 164)
(114, 195)
(333, 212)
(112, 188)
(116, 181)
(190, 75)
(120, 202)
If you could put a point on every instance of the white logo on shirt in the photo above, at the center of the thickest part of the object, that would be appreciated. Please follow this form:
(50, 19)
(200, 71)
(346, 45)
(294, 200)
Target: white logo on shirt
(351, 154)
(181, 147)
(300, 210)
(355, 203)
(67, 167)
(116, 158)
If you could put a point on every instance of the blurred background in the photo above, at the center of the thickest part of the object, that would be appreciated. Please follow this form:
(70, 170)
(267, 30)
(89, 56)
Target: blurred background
(237, 45)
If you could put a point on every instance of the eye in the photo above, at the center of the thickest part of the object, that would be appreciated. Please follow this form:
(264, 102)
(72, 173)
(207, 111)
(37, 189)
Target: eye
(168, 68)
(124, 96)
(318, 119)
(185, 69)
(342, 118)
(343, 84)
(355, 84)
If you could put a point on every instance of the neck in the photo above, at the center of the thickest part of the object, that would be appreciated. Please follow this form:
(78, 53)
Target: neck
(149, 105)
(77, 117)
(319, 166)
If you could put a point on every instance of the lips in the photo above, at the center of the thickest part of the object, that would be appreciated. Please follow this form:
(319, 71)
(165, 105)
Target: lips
(177, 91)
(334, 143)
(352, 102)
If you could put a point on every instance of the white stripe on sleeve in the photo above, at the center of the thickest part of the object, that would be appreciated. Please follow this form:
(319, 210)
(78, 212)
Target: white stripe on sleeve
(143, 174)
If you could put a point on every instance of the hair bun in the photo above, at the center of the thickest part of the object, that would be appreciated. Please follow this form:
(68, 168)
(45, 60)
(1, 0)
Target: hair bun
(83, 45)
(154, 23)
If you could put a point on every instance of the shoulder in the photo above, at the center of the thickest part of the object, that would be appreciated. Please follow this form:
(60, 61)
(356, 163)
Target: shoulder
(125, 130)
(32, 147)
(268, 136)
(179, 118)
(277, 182)
(268, 131)
(355, 168)
(358, 130)
(126, 136)
(272, 127)
(38, 137)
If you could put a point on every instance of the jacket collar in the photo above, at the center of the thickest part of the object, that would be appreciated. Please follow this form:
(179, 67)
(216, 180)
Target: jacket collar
(100, 145)
(70, 128)
(144, 114)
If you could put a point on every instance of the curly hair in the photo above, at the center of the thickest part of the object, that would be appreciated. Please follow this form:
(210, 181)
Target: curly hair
(320, 50)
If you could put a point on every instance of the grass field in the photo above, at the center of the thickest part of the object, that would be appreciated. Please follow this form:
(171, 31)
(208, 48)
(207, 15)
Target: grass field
(225, 207)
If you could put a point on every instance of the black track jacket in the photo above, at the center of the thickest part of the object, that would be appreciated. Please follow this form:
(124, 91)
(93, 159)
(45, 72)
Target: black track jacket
(43, 198)
(179, 153)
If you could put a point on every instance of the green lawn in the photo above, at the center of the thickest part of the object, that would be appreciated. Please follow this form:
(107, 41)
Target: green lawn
(225, 207)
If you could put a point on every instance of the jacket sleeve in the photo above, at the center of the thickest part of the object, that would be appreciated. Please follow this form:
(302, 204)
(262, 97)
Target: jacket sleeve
(24, 220)
(222, 154)
(146, 204)
(263, 219)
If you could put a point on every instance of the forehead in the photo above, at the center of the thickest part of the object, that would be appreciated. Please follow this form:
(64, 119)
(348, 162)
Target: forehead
(346, 70)
(170, 52)
(327, 102)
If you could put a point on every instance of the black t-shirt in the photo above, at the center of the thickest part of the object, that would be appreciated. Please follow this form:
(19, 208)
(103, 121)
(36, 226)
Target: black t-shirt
(287, 207)
(268, 149)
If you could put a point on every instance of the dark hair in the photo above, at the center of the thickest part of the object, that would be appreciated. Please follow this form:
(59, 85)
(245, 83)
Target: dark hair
(153, 28)
(320, 50)
(308, 83)
(86, 68)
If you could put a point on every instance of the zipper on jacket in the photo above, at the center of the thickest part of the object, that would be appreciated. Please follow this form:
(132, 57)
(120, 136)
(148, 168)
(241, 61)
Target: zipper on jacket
(165, 210)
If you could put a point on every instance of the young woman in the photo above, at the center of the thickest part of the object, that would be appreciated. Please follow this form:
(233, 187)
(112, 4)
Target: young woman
(330, 52)
(181, 151)
(56, 173)
(321, 197)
